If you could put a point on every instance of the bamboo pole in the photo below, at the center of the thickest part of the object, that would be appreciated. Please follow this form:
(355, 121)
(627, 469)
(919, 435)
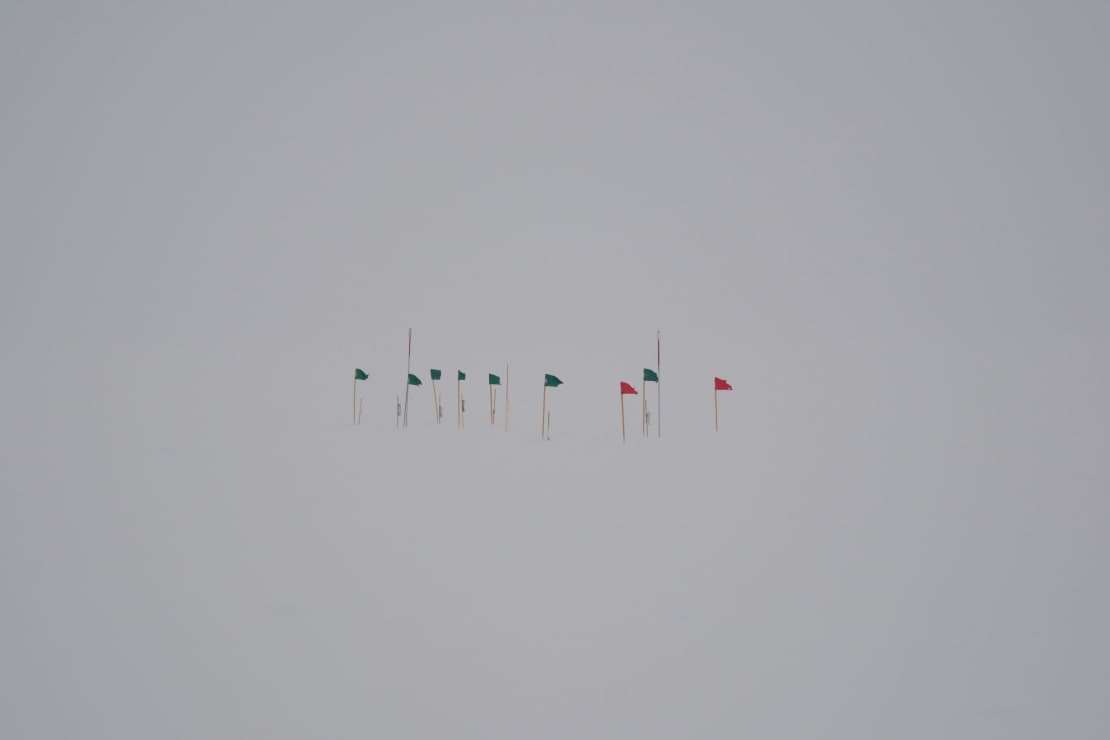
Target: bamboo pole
(543, 411)
(548, 426)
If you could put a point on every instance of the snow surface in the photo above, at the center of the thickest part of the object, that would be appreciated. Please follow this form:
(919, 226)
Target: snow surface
(885, 227)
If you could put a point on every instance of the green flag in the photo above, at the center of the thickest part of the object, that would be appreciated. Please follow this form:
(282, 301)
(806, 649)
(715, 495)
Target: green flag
(359, 375)
(436, 374)
(651, 375)
(551, 381)
(462, 375)
(494, 379)
(413, 380)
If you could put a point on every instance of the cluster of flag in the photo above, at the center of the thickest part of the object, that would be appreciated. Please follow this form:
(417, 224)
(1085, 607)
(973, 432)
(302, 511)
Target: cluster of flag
(549, 381)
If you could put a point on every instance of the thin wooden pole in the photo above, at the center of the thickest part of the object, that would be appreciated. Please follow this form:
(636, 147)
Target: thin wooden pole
(405, 422)
(408, 371)
(543, 411)
(548, 426)
(716, 425)
(622, 417)
(435, 400)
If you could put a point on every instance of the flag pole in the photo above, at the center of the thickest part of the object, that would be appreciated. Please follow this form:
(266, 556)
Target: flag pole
(435, 399)
(408, 371)
(658, 405)
(543, 411)
(506, 396)
(622, 416)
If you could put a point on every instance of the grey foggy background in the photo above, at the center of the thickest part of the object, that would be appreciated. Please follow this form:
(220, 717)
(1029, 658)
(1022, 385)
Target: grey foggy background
(884, 223)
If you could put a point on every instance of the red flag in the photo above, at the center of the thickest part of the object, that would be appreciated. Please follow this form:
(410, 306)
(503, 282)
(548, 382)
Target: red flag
(627, 389)
(721, 385)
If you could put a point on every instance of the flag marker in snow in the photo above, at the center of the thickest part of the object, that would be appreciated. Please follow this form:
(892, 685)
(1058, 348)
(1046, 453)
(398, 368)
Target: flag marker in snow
(549, 381)
(436, 375)
(626, 390)
(718, 385)
(359, 375)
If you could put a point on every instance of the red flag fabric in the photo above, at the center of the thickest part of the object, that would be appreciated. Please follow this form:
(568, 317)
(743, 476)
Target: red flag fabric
(721, 385)
(627, 389)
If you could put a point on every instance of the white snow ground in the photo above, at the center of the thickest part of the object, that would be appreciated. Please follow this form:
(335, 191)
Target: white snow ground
(886, 226)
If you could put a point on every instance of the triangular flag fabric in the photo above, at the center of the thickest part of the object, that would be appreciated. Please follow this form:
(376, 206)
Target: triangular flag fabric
(721, 385)
(413, 380)
(626, 389)
(651, 375)
(436, 374)
(359, 375)
(494, 379)
(462, 375)
(550, 381)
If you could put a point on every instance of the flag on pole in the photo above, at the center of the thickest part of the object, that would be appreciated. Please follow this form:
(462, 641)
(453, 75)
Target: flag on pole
(550, 381)
(462, 375)
(651, 376)
(413, 380)
(436, 374)
(494, 380)
(627, 389)
(359, 375)
(721, 385)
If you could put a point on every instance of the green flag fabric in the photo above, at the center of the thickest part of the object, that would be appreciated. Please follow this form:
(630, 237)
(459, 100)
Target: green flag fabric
(436, 374)
(494, 379)
(413, 380)
(462, 375)
(359, 375)
(551, 381)
(651, 375)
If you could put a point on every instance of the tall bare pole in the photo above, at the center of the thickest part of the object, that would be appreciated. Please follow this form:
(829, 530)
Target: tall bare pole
(408, 372)
(658, 405)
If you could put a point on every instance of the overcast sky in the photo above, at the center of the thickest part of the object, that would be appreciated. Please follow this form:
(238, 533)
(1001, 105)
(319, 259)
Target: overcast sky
(884, 223)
